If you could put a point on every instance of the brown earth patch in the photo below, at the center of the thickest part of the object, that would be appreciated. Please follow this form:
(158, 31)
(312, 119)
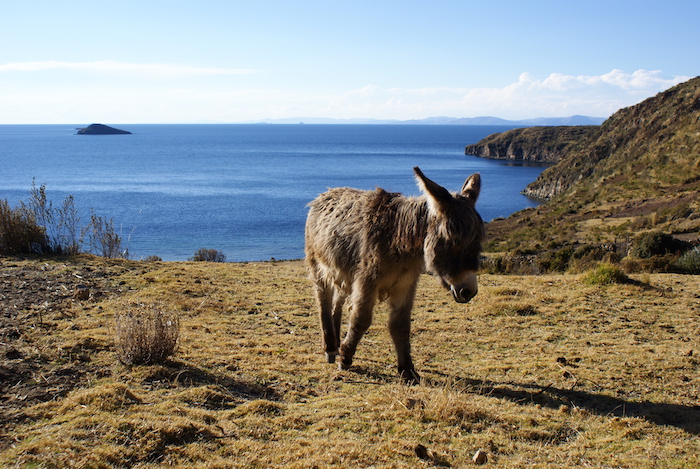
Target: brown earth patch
(40, 298)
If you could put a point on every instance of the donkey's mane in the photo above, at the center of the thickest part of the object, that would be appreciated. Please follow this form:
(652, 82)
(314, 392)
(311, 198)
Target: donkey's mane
(404, 219)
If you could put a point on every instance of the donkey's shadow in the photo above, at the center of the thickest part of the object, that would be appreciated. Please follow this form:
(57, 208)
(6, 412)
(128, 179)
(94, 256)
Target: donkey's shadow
(684, 417)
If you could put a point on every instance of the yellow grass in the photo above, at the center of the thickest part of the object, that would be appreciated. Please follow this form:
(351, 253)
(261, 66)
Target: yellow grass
(539, 371)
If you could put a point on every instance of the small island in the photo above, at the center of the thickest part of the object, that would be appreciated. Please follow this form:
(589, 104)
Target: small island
(101, 129)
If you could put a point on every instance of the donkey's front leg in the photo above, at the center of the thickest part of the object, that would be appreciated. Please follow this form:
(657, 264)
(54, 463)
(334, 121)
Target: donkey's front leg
(401, 303)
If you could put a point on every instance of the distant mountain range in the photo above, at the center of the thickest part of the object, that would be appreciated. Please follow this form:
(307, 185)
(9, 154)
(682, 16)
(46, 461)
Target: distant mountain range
(484, 120)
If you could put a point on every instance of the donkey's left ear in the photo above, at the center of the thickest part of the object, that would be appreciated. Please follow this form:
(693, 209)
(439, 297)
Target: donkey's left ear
(472, 187)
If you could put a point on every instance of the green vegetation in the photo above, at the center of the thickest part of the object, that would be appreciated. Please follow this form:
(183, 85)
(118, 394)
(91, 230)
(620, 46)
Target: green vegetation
(689, 262)
(606, 274)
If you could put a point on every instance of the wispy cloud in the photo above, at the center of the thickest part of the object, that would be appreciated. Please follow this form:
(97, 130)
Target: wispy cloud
(145, 97)
(641, 80)
(111, 66)
(555, 95)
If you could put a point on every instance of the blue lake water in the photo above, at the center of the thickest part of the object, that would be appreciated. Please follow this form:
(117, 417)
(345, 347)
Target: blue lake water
(240, 189)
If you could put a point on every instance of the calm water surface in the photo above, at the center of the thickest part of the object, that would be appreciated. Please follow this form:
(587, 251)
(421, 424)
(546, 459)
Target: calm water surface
(240, 189)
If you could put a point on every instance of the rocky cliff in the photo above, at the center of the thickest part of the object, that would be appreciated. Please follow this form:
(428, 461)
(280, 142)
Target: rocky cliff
(535, 144)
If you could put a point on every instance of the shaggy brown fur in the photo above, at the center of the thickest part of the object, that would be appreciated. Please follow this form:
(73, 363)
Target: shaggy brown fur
(373, 245)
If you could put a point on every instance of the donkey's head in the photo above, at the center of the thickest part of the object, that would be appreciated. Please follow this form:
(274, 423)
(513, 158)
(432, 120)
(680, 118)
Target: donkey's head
(454, 235)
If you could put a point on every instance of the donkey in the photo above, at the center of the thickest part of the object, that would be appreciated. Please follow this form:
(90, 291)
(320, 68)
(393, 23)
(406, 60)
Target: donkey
(373, 245)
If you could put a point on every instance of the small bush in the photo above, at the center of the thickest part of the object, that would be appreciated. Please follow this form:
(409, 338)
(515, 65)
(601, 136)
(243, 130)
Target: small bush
(689, 262)
(208, 255)
(146, 337)
(656, 243)
(606, 274)
(19, 231)
(103, 238)
(556, 260)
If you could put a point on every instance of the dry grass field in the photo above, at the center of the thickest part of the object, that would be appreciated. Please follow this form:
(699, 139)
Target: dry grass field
(537, 371)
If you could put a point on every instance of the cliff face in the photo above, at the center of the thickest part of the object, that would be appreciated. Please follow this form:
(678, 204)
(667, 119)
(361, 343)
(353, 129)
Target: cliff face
(534, 144)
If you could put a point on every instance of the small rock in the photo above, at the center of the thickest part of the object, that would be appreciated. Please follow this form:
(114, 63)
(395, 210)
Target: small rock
(480, 457)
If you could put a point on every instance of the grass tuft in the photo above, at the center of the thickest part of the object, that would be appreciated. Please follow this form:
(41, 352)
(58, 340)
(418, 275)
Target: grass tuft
(606, 274)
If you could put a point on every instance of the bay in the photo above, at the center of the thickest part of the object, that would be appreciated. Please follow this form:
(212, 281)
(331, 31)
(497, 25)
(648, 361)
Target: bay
(240, 189)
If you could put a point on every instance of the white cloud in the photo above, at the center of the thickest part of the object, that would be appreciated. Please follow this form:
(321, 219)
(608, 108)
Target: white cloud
(111, 66)
(556, 95)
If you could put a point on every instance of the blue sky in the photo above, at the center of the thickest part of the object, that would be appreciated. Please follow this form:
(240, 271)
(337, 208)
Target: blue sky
(234, 61)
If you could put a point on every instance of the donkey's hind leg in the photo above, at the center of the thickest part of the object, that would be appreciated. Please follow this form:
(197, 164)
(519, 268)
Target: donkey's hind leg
(324, 297)
(338, 302)
(362, 302)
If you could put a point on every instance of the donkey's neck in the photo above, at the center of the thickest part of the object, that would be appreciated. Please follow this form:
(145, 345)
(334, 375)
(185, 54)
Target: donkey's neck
(410, 226)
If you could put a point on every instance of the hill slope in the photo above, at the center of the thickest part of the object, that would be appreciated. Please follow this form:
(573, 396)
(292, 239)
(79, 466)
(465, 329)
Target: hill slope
(639, 170)
(652, 146)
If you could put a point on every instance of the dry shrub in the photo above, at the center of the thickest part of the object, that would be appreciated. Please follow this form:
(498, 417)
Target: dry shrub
(146, 336)
(19, 231)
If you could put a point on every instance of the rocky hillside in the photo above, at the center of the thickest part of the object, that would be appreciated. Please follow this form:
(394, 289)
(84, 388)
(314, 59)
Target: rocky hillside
(649, 147)
(535, 144)
(640, 170)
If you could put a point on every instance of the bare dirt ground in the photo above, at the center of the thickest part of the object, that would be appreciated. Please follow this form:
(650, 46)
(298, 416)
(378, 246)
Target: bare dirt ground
(37, 298)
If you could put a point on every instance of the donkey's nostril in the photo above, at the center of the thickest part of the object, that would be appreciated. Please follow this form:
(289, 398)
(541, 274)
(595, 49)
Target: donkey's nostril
(463, 295)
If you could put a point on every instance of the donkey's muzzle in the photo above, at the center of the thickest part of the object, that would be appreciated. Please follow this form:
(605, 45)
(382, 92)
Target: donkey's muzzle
(463, 294)
(466, 288)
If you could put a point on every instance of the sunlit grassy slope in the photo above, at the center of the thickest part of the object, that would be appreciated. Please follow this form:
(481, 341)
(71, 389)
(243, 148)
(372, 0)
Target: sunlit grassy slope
(542, 371)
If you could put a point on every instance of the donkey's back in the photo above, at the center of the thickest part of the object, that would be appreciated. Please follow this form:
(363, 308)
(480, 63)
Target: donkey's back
(334, 230)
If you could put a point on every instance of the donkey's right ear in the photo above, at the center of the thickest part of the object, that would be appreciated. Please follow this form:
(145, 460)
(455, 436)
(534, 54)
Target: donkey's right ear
(439, 198)
(472, 187)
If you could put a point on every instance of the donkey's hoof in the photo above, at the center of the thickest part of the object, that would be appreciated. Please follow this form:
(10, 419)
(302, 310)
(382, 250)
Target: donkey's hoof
(342, 365)
(330, 356)
(410, 377)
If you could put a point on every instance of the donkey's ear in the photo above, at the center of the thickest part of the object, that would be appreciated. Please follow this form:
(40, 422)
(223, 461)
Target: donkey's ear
(439, 198)
(472, 187)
